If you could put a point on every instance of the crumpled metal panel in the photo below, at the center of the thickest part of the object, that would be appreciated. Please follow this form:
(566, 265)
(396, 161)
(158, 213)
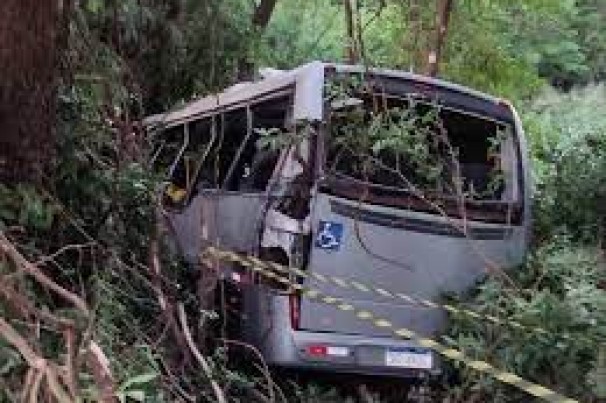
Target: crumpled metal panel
(308, 80)
(226, 219)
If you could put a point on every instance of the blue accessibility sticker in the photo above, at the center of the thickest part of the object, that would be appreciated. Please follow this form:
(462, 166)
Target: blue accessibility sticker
(329, 235)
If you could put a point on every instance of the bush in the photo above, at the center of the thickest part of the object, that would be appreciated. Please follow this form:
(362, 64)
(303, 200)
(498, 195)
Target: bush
(560, 288)
(559, 292)
(567, 134)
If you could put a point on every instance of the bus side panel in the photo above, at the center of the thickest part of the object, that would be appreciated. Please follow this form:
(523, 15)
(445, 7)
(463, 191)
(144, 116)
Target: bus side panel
(226, 219)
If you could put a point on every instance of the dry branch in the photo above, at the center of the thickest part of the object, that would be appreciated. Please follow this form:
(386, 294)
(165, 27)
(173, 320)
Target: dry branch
(99, 364)
(25, 307)
(36, 383)
(264, 368)
(16, 340)
(71, 376)
(36, 362)
(60, 382)
(7, 248)
(203, 363)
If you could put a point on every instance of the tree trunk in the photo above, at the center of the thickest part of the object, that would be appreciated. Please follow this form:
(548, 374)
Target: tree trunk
(260, 19)
(351, 49)
(414, 32)
(28, 65)
(442, 19)
(263, 13)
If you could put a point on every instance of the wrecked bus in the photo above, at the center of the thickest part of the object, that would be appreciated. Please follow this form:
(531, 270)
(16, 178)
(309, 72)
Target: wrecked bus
(386, 178)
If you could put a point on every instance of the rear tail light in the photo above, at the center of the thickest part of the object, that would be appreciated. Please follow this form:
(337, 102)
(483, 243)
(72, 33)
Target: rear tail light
(322, 350)
(317, 350)
(295, 311)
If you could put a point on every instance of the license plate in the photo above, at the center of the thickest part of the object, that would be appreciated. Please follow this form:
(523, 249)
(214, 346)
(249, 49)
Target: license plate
(409, 358)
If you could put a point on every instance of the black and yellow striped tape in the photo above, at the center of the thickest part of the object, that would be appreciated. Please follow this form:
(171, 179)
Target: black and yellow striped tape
(249, 261)
(451, 353)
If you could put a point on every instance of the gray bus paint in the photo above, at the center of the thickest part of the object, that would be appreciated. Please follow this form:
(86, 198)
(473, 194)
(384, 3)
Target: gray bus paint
(412, 262)
(412, 252)
(308, 81)
(267, 326)
(228, 219)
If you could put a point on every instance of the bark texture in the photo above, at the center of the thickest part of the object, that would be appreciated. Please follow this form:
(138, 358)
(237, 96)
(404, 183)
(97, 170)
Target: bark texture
(351, 48)
(28, 65)
(260, 18)
(444, 10)
(263, 13)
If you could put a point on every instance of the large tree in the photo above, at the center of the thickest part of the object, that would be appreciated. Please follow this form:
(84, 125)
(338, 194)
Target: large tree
(434, 55)
(260, 19)
(29, 33)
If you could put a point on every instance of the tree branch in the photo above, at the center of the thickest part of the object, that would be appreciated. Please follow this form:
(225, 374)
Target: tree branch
(6, 247)
(99, 364)
(203, 363)
(263, 13)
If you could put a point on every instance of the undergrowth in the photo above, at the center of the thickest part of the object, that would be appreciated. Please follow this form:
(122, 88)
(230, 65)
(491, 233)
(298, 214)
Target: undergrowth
(562, 286)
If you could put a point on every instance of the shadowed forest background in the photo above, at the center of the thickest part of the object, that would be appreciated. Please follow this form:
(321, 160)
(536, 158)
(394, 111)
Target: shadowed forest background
(92, 306)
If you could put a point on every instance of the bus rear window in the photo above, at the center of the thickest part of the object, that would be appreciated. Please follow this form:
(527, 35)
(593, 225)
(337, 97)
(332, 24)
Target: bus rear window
(428, 150)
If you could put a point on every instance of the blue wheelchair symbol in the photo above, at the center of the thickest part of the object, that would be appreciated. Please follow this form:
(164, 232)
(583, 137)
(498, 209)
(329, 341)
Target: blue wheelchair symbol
(329, 235)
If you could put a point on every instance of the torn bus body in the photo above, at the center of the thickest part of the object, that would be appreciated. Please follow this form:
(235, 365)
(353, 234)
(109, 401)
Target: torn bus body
(399, 181)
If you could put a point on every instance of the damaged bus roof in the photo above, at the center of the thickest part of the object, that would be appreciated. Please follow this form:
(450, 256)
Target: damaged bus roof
(308, 80)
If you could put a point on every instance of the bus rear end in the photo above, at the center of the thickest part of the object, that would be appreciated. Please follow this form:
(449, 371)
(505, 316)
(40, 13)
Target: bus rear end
(421, 191)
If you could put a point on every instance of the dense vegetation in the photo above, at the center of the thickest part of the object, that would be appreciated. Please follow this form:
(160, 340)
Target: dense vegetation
(78, 201)
(561, 288)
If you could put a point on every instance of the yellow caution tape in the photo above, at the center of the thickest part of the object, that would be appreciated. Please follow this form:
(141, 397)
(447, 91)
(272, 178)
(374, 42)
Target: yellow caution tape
(448, 352)
(249, 261)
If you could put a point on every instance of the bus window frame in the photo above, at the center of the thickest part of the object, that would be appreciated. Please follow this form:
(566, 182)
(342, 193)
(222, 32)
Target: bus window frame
(492, 211)
(214, 116)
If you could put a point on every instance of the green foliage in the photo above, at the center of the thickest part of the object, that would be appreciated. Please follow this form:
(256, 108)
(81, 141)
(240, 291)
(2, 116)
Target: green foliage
(405, 146)
(300, 31)
(403, 143)
(560, 293)
(130, 58)
(567, 134)
(23, 206)
(561, 283)
(170, 50)
(573, 50)
(492, 61)
(497, 46)
(275, 139)
(406, 135)
(592, 36)
(317, 394)
(100, 200)
(515, 43)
